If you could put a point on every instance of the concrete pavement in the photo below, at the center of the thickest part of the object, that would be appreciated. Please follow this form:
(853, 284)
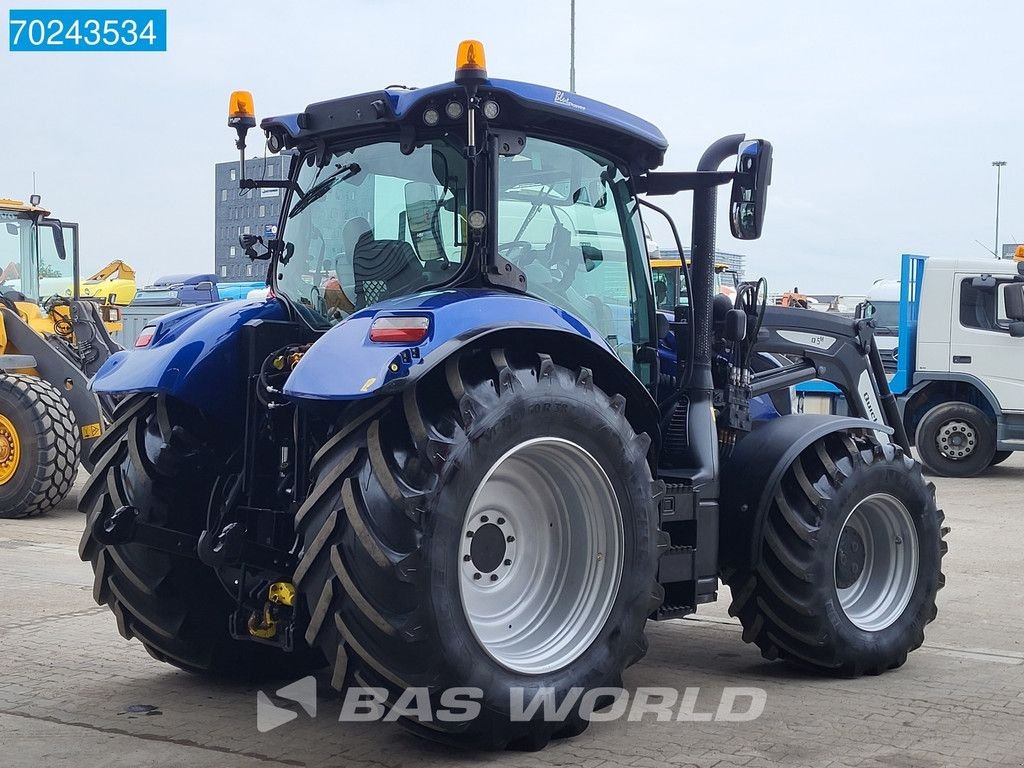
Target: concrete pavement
(73, 692)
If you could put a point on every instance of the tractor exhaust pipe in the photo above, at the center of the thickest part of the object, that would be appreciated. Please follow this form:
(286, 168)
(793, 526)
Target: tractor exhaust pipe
(702, 435)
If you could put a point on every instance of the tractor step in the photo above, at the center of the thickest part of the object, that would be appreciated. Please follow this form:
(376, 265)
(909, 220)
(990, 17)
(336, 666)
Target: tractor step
(688, 565)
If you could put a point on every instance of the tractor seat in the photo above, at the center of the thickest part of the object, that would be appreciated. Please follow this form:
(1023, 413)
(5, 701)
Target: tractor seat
(384, 268)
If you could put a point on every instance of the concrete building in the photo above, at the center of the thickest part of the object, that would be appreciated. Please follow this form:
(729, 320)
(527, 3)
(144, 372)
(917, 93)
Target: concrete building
(256, 212)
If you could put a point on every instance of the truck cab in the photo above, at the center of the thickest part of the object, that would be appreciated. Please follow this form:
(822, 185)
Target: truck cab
(882, 304)
(955, 362)
(962, 389)
(178, 291)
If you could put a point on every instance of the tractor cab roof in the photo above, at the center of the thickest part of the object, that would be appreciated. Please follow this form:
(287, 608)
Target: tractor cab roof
(17, 206)
(525, 107)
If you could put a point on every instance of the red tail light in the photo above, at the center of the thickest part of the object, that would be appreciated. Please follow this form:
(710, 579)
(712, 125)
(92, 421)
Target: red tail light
(146, 336)
(409, 329)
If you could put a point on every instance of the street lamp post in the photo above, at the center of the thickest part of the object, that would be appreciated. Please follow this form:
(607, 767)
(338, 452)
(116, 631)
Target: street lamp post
(572, 46)
(999, 180)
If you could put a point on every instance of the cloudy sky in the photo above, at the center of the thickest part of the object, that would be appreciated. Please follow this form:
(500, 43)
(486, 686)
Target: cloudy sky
(885, 116)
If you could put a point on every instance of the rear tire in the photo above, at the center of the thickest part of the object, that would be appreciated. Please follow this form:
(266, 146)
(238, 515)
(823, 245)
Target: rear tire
(956, 440)
(850, 560)
(392, 575)
(39, 446)
(174, 605)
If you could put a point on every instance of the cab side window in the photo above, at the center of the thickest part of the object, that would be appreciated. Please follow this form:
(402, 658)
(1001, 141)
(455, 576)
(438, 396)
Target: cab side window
(983, 306)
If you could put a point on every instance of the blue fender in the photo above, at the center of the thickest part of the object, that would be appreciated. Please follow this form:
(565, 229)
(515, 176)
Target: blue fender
(751, 474)
(196, 355)
(345, 365)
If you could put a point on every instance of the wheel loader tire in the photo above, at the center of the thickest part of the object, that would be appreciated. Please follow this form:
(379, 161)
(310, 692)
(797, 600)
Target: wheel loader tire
(999, 457)
(152, 458)
(851, 556)
(39, 446)
(440, 519)
(956, 440)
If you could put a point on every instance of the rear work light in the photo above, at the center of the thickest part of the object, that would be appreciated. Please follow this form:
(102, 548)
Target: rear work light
(146, 336)
(404, 330)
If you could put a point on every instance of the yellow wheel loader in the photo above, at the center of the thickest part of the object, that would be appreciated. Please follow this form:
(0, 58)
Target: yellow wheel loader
(51, 343)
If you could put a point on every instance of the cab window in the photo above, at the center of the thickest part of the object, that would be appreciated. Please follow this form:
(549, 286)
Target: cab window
(565, 218)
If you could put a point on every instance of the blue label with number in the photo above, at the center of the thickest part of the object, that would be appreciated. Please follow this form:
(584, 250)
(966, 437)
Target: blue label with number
(99, 30)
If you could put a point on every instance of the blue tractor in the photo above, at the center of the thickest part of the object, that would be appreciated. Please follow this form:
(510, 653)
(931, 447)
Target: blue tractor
(446, 453)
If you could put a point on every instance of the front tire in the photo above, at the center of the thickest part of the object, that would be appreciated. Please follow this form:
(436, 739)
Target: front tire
(956, 440)
(39, 446)
(850, 563)
(423, 507)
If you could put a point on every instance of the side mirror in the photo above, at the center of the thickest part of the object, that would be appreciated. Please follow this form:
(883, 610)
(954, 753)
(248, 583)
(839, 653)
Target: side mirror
(58, 236)
(750, 189)
(1013, 298)
(249, 242)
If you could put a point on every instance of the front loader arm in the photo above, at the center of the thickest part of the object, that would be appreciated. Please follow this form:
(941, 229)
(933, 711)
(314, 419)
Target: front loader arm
(831, 348)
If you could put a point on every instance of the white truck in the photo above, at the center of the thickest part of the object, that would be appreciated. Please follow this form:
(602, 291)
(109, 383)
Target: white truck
(956, 331)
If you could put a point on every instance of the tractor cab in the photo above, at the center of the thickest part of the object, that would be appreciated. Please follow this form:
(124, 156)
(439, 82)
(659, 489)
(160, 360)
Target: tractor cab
(478, 184)
(38, 254)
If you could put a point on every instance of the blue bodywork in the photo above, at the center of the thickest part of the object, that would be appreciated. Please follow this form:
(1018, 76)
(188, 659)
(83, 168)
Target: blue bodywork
(344, 364)
(192, 356)
(192, 350)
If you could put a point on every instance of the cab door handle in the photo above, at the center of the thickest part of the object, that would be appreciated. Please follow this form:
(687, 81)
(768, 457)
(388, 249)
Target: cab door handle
(961, 359)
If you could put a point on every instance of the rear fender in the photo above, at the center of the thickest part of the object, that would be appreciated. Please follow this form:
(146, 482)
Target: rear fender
(196, 355)
(344, 365)
(752, 473)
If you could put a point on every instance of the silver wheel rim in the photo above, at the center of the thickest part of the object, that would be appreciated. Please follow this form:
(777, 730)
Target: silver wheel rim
(541, 555)
(956, 440)
(876, 562)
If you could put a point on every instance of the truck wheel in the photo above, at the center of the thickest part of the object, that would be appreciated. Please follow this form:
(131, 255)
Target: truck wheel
(850, 560)
(174, 605)
(39, 446)
(999, 457)
(956, 440)
(500, 533)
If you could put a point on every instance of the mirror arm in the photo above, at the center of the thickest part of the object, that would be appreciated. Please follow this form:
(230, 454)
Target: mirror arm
(670, 182)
